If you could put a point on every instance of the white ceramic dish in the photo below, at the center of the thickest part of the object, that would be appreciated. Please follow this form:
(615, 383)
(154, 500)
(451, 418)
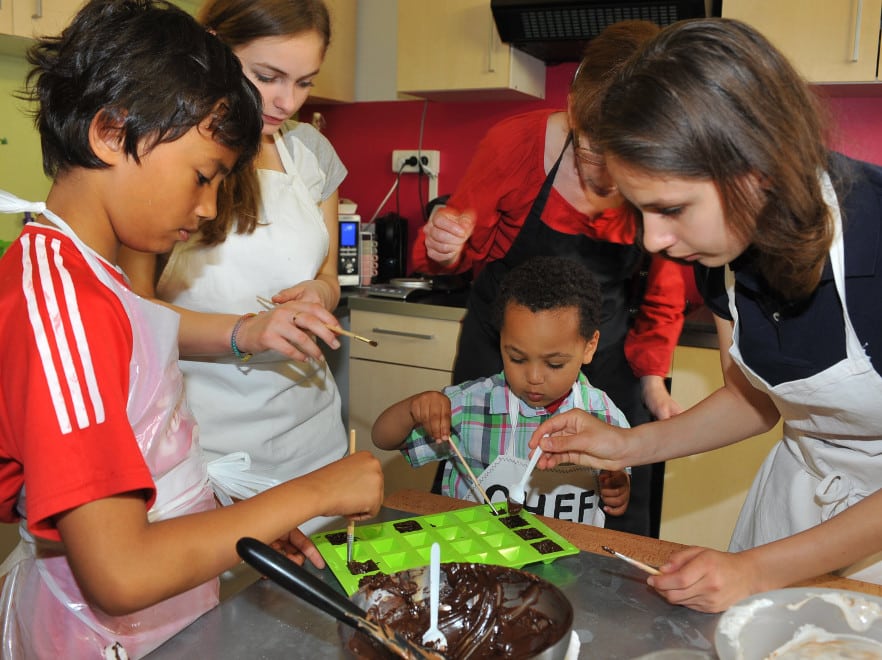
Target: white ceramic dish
(802, 623)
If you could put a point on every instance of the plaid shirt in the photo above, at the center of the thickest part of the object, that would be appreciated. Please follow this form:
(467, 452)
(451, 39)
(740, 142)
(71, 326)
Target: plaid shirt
(481, 427)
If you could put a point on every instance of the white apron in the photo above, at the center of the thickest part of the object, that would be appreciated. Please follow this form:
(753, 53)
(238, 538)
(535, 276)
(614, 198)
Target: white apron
(831, 453)
(285, 415)
(567, 492)
(42, 611)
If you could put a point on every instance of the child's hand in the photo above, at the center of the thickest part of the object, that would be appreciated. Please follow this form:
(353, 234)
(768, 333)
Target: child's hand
(615, 491)
(431, 410)
(297, 547)
(351, 486)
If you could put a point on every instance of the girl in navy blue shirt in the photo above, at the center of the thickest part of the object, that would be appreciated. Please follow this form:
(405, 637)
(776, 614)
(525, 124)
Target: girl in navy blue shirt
(711, 134)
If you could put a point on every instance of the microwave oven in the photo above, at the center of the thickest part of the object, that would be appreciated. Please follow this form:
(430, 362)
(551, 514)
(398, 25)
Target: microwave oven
(348, 250)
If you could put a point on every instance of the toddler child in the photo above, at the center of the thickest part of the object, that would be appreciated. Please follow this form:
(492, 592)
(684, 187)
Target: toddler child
(547, 312)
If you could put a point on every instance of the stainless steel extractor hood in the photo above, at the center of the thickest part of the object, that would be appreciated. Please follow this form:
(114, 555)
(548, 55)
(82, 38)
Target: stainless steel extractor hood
(557, 30)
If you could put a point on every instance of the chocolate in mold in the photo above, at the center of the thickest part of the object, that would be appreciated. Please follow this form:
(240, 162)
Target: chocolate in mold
(529, 533)
(512, 521)
(486, 611)
(547, 546)
(336, 538)
(407, 526)
(362, 567)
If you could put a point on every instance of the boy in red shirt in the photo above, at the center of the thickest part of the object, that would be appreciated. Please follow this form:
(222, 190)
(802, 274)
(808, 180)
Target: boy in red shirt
(141, 114)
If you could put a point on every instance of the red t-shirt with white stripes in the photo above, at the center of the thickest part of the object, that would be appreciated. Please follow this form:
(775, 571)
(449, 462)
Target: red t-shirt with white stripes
(64, 380)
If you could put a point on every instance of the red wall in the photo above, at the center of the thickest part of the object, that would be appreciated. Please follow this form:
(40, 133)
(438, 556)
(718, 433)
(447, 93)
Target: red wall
(365, 134)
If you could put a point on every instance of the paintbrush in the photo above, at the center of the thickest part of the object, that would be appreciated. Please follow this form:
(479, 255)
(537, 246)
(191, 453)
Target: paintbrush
(350, 528)
(269, 304)
(652, 570)
(473, 477)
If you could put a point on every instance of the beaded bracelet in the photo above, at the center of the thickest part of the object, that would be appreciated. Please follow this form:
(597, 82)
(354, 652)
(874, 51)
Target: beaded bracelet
(244, 357)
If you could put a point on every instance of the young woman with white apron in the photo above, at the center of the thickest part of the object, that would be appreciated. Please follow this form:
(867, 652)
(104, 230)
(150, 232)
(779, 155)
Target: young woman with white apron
(284, 415)
(831, 454)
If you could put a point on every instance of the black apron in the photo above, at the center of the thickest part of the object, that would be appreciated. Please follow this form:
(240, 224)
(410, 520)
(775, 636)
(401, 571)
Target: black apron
(615, 267)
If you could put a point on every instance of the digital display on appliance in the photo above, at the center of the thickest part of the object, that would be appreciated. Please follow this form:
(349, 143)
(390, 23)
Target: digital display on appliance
(348, 234)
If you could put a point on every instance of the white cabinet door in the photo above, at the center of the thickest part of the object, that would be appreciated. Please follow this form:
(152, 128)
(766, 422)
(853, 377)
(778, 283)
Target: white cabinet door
(35, 18)
(336, 80)
(828, 41)
(373, 387)
(450, 50)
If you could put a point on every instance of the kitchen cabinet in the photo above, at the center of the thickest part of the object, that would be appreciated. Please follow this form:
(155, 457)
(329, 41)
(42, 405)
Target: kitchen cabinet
(30, 18)
(828, 42)
(22, 20)
(451, 51)
(413, 354)
(336, 80)
(703, 493)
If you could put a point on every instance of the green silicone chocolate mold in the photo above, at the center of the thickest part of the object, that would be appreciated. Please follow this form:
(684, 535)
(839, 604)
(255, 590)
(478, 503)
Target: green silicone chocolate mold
(467, 535)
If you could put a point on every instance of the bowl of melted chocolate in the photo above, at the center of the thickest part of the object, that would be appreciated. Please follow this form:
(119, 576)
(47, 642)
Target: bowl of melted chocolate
(485, 611)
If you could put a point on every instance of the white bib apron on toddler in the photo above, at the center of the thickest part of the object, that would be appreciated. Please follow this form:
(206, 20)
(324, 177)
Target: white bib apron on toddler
(44, 614)
(567, 492)
(831, 454)
(270, 419)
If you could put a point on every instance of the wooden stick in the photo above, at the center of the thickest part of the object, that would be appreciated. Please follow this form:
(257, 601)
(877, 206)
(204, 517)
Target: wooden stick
(652, 570)
(350, 528)
(341, 331)
(269, 304)
(473, 477)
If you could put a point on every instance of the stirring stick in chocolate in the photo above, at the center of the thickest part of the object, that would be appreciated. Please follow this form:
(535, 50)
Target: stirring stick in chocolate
(350, 528)
(473, 477)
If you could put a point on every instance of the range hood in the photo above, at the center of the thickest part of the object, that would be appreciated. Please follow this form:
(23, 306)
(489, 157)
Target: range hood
(557, 30)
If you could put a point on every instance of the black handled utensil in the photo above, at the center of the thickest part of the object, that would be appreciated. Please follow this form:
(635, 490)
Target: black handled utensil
(303, 584)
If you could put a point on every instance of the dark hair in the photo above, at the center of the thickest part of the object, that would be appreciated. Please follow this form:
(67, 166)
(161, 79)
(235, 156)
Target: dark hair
(549, 283)
(603, 57)
(712, 99)
(148, 66)
(237, 23)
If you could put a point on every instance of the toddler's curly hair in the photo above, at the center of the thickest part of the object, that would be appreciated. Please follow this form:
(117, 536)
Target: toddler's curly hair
(548, 283)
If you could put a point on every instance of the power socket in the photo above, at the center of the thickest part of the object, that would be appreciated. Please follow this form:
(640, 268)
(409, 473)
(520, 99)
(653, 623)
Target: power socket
(431, 160)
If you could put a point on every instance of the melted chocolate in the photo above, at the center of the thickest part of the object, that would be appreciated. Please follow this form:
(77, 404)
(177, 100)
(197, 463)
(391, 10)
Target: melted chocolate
(513, 521)
(547, 546)
(486, 612)
(407, 526)
(362, 567)
(337, 538)
(529, 533)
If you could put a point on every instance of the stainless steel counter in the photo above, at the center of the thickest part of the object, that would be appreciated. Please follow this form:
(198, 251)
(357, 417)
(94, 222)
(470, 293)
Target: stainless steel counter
(616, 616)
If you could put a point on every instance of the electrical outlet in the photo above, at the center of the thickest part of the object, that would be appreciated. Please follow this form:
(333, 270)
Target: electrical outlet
(431, 160)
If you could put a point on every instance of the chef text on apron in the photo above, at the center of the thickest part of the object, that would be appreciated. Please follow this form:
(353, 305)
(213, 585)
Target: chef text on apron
(41, 607)
(831, 453)
(567, 492)
(273, 418)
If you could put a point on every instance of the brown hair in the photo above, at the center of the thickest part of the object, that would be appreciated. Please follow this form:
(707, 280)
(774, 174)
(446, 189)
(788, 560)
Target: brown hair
(603, 58)
(712, 99)
(236, 23)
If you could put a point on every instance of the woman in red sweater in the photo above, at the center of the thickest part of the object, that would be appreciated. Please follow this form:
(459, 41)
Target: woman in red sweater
(534, 188)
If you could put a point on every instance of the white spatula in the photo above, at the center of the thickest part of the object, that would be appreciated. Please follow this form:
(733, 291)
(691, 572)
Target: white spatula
(518, 493)
(433, 637)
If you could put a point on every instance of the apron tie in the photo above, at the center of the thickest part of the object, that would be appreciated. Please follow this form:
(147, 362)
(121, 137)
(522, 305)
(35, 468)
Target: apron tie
(230, 477)
(9, 203)
(835, 493)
